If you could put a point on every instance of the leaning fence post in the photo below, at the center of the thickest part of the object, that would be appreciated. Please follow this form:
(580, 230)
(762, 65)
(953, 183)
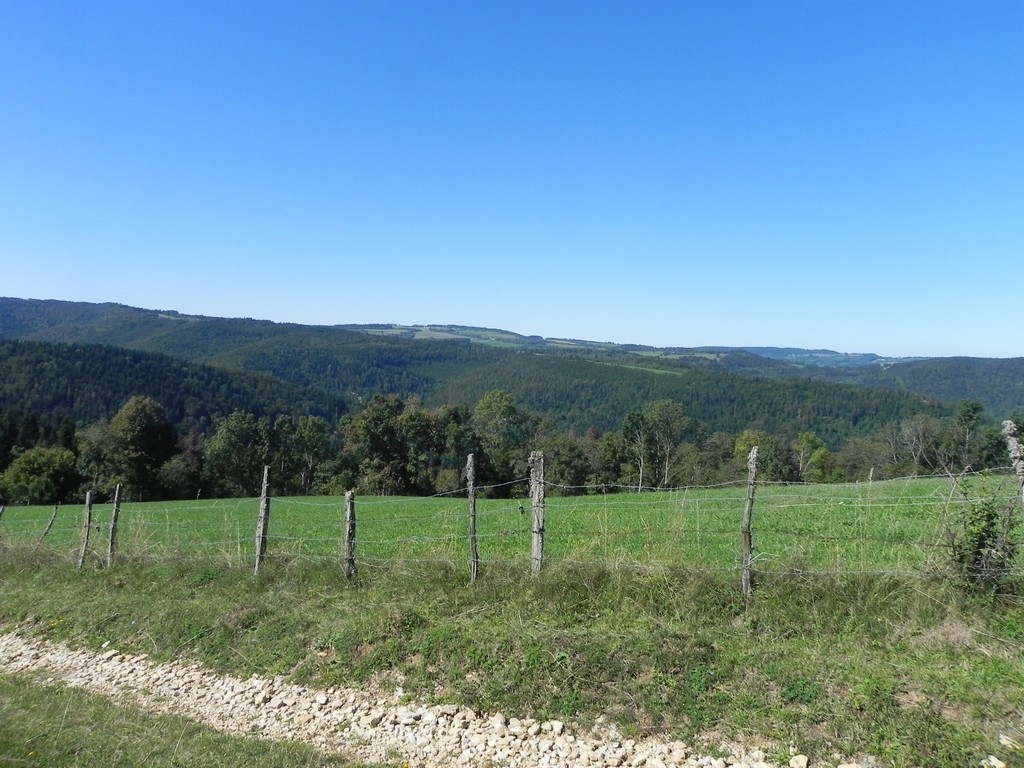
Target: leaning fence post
(112, 542)
(49, 525)
(474, 555)
(1012, 434)
(86, 528)
(747, 577)
(2, 508)
(537, 502)
(350, 534)
(264, 521)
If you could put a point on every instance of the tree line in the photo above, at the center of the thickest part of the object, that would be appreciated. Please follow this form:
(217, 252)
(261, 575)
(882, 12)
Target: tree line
(399, 446)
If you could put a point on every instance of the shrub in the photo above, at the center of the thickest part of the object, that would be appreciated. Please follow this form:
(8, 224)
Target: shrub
(983, 541)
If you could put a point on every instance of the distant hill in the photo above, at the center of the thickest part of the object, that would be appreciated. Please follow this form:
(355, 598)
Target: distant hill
(89, 382)
(997, 383)
(495, 337)
(577, 384)
(821, 357)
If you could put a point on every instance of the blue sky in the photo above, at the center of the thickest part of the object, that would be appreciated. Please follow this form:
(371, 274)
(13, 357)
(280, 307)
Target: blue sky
(847, 175)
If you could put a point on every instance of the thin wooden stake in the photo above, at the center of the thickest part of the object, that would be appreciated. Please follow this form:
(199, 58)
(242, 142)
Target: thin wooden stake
(49, 525)
(747, 576)
(350, 534)
(115, 515)
(474, 555)
(86, 529)
(263, 522)
(537, 502)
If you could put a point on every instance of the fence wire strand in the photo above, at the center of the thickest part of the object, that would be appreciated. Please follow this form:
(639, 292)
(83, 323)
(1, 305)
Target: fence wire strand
(884, 527)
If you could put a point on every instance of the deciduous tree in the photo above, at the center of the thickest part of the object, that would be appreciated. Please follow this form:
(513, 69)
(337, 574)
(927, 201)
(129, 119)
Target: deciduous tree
(237, 453)
(40, 476)
(504, 432)
(142, 438)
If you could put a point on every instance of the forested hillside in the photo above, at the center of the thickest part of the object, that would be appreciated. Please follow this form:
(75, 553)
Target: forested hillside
(585, 392)
(88, 382)
(576, 387)
(331, 409)
(998, 384)
(455, 363)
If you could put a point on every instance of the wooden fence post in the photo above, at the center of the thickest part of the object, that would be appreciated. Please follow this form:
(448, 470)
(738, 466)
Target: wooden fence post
(474, 555)
(1012, 434)
(2, 508)
(350, 534)
(747, 577)
(86, 529)
(49, 525)
(537, 502)
(115, 515)
(263, 522)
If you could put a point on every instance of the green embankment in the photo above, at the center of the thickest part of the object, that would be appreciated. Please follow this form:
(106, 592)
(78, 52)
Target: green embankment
(851, 644)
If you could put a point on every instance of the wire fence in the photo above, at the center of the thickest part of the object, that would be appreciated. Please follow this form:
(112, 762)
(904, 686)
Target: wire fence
(885, 527)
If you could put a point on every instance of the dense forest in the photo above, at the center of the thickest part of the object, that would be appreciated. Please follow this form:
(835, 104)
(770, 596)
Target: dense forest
(88, 382)
(434, 362)
(169, 405)
(399, 446)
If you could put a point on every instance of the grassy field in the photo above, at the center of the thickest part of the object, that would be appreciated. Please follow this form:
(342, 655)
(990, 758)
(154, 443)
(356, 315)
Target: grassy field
(883, 527)
(851, 645)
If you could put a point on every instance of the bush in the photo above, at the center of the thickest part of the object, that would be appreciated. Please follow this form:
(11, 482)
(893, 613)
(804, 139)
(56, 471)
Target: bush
(40, 476)
(983, 541)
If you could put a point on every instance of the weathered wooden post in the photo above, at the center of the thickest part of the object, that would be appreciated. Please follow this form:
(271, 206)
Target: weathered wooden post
(1012, 434)
(86, 529)
(350, 534)
(264, 521)
(474, 556)
(537, 502)
(747, 577)
(2, 508)
(115, 515)
(49, 525)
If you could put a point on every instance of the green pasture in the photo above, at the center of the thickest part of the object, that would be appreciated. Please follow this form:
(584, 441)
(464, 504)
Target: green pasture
(883, 527)
(637, 616)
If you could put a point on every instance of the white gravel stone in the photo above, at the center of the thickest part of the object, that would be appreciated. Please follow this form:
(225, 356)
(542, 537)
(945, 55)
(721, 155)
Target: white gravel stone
(348, 721)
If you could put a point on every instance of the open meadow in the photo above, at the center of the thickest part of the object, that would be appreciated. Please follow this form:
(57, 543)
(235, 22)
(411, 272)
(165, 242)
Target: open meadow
(895, 526)
(855, 642)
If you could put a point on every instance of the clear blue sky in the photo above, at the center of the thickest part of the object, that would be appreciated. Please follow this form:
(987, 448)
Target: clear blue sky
(824, 173)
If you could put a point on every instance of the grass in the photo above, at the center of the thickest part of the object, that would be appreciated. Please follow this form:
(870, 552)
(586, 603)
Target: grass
(868, 527)
(914, 673)
(53, 726)
(848, 646)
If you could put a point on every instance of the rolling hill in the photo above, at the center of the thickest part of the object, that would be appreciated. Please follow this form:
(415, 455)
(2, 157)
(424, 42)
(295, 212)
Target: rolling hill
(577, 384)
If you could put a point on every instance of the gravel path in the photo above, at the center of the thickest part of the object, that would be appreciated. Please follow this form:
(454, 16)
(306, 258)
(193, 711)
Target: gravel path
(373, 727)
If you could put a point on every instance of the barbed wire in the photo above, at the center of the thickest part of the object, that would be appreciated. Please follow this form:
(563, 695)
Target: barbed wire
(891, 526)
